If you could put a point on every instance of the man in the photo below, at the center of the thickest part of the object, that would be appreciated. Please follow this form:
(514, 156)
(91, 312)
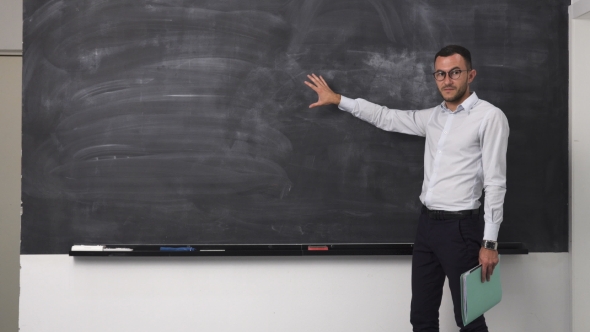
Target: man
(465, 152)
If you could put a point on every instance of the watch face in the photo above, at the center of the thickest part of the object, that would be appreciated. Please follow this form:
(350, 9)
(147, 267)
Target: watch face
(489, 245)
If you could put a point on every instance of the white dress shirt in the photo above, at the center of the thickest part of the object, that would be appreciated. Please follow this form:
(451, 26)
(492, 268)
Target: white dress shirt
(465, 152)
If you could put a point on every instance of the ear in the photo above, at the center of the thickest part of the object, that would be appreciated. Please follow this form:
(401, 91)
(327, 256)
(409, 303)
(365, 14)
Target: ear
(471, 76)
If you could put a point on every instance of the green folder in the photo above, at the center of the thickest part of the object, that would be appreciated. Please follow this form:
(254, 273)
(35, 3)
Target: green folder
(478, 297)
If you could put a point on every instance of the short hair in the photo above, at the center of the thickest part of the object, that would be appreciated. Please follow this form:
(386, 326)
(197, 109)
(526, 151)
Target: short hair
(455, 49)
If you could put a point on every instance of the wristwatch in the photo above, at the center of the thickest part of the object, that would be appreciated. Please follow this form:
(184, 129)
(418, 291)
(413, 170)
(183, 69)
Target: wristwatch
(488, 244)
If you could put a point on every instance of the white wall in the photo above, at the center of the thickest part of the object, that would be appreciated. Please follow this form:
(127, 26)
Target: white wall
(11, 28)
(580, 165)
(10, 124)
(60, 293)
(288, 294)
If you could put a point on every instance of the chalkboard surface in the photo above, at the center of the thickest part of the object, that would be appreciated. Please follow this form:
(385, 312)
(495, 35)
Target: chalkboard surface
(171, 121)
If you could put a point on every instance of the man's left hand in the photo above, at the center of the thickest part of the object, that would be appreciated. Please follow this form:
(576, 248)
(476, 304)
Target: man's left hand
(488, 260)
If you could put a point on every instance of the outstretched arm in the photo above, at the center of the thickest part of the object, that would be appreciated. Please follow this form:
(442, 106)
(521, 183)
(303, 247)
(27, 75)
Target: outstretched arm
(406, 122)
(325, 95)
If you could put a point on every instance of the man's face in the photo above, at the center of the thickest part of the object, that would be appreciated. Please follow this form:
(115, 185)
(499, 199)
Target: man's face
(453, 91)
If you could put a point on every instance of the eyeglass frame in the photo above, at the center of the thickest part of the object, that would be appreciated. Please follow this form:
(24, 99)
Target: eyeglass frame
(449, 74)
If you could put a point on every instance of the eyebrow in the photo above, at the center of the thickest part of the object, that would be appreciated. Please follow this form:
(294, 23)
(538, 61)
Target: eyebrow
(456, 67)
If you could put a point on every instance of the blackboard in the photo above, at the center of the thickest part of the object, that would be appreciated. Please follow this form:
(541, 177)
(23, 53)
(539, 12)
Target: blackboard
(171, 121)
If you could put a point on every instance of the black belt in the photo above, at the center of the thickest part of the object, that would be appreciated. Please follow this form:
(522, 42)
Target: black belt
(444, 215)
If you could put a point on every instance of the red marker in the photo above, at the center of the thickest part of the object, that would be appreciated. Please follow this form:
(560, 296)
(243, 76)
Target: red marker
(317, 248)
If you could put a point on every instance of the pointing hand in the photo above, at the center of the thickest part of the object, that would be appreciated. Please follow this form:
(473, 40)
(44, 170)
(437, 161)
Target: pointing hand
(325, 95)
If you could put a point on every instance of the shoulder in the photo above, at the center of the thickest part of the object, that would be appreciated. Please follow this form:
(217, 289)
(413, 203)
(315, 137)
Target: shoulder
(426, 114)
(428, 111)
(490, 112)
(493, 121)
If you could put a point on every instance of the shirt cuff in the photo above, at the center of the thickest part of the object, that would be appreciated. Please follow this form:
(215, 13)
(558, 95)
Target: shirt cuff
(346, 104)
(491, 232)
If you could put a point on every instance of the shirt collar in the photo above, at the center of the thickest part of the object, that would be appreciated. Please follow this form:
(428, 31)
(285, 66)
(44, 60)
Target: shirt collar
(466, 105)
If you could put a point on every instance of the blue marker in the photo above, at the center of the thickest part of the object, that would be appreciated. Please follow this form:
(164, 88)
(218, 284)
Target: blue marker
(177, 249)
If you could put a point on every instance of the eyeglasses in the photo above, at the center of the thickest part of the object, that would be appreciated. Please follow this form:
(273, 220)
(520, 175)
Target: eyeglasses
(453, 74)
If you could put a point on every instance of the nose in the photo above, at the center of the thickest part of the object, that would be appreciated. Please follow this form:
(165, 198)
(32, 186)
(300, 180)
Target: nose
(447, 80)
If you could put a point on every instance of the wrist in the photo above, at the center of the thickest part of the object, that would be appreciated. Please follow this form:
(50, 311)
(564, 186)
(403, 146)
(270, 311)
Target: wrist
(337, 98)
(490, 245)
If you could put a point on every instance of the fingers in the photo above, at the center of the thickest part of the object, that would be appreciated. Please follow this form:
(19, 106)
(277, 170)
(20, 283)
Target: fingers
(490, 272)
(486, 272)
(318, 81)
(319, 85)
(315, 88)
(488, 260)
(325, 95)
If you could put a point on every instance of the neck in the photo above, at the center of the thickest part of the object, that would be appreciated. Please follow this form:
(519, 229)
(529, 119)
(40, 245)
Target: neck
(452, 105)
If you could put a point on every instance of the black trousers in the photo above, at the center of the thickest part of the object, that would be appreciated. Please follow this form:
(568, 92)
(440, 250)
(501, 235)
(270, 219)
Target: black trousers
(443, 248)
